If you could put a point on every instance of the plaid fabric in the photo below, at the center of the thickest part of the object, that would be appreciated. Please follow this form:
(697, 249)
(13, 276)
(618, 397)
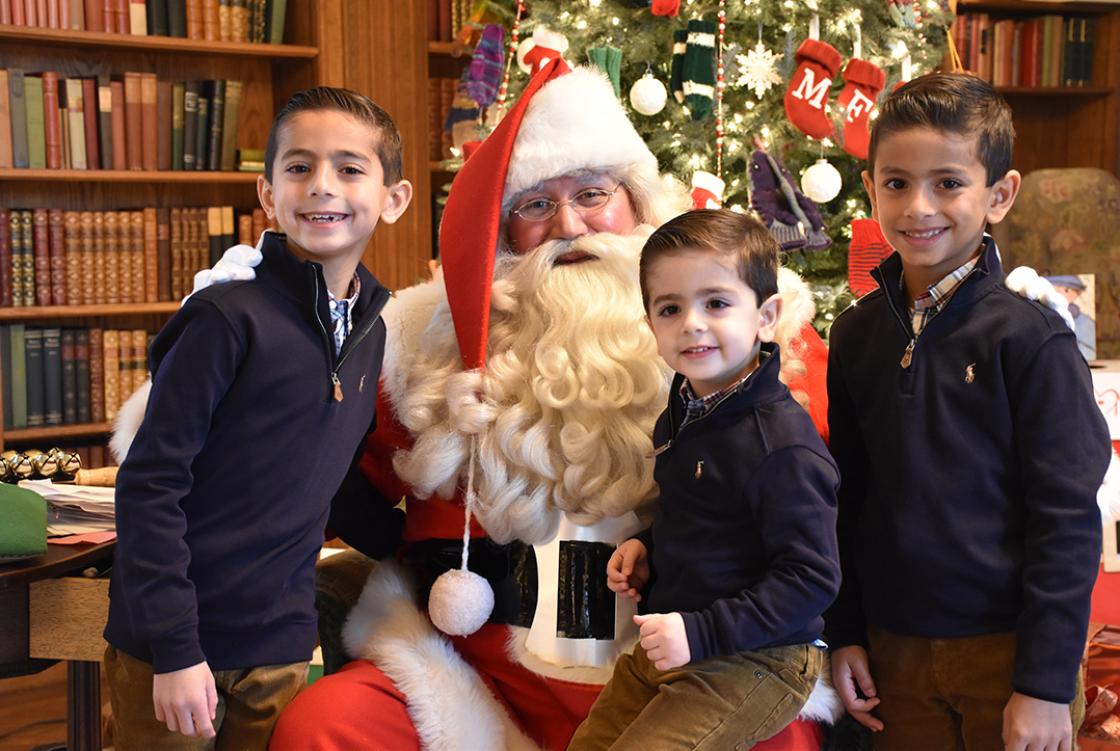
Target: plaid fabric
(696, 407)
(342, 313)
(928, 305)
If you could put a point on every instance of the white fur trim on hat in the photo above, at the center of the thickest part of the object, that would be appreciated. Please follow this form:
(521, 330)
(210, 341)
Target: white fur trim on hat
(709, 182)
(573, 123)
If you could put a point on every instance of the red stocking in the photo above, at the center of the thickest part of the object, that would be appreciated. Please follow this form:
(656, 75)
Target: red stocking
(867, 250)
(862, 83)
(665, 7)
(807, 95)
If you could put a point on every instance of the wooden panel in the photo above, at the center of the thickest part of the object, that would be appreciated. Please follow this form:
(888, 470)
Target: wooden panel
(385, 49)
(67, 617)
(13, 624)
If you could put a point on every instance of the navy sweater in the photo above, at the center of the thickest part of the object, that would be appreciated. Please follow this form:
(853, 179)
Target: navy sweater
(743, 546)
(969, 479)
(224, 495)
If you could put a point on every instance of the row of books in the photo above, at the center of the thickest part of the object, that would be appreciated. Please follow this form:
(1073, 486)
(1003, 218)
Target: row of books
(136, 122)
(209, 20)
(64, 376)
(57, 257)
(1047, 50)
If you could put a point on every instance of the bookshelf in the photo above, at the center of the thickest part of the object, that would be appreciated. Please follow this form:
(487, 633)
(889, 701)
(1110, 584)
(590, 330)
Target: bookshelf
(270, 74)
(1065, 126)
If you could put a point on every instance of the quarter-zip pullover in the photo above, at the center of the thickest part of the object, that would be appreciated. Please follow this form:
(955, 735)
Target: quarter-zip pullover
(225, 492)
(743, 539)
(970, 457)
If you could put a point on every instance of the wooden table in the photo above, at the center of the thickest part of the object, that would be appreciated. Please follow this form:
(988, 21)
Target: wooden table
(48, 611)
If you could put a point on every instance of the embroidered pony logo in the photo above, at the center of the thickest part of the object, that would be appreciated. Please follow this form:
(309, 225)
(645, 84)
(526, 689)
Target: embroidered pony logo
(969, 373)
(361, 384)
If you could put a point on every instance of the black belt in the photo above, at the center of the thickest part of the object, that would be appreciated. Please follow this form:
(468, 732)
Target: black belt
(585, 606)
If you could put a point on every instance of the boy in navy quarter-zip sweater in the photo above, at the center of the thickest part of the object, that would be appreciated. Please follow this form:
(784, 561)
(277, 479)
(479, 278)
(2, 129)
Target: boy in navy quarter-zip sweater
(970, 449)
(741, 560)
(255, 415)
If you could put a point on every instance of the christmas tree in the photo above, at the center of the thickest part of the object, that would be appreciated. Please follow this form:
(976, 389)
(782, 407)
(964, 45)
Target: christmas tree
(759, 48)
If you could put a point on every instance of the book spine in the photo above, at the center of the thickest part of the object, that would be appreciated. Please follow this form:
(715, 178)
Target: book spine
(52, 376)
(190, 123)
(121, 16)
(77, 15)
(52, 127)
(134, 121)
(92, 15)
(157, 17)
(125, 364)
(69, 378)
(228, 224)
(120, 151)
(150, 244)
(112, 259)
(163, 125)
(163, 254)
(96, 376)
(111, 365)
(149, 121)
(217, 113)
(176, 219)
(17, 107)
(137, 18)
(92, 235)
(139, 359)
(177, 18)
(5, 122)
(76, 124)
(5, 258)
(36, 403)
(57, 240)
(177, 93)
(229, 125)
(72, 238)
(42, 257)
(91, 114)
(202, 132)
(245, 229)
(194, 19)
(26, 267)
(36, 138)
(105, 123)
(210, 20)
(19, 375)
(214, 233)
(276, 19)
(137, 279)
(223, 19)
(81, 376)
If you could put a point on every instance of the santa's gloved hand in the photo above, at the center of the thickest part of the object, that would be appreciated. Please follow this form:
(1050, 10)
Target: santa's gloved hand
(235, 265)
(1025, 282)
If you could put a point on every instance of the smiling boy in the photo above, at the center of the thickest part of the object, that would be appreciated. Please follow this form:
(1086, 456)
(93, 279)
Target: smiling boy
(255, 415)
(728, 654)
(970, 449)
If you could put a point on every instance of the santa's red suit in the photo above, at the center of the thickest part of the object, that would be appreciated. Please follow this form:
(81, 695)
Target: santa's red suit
(568, 386)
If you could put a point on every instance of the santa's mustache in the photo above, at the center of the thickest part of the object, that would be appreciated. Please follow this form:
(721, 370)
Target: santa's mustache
(599, 253)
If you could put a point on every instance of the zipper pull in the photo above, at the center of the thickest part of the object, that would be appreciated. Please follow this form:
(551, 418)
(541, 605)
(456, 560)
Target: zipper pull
(337, 387)
(907, 356)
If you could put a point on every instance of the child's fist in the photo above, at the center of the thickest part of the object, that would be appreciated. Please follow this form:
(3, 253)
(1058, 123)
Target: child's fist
(664, 639)
(628, 569)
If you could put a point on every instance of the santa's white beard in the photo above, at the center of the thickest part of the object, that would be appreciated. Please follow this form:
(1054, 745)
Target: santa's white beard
(570, 393)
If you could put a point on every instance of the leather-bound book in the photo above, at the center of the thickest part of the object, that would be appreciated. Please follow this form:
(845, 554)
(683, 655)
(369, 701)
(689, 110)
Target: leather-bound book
(163, 254)
(137, 279)
(133, 121)
(41, 251)
(5, 259)
(163, 125)
(91, 235)
(52, 126)
(110, 254)
(96, 375)
(150, 234)
(111, 369)
(72, 239)
(91, 116)
(149, 121)
(57, 239)
(120, 136)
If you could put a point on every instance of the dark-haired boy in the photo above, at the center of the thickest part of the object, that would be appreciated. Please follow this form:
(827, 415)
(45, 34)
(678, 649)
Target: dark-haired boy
(970, 450)
(255, 415)
(728, 653)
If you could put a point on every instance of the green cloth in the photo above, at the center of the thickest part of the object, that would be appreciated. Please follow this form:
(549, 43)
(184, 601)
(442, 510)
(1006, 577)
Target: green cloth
(698, 69)
(609, 60)
(23, 523)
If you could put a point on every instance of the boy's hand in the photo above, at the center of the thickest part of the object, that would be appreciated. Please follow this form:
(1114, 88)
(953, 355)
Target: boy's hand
(664, 639)
(186, 700)
(851, 670)
(628, 569)
(1036, 724)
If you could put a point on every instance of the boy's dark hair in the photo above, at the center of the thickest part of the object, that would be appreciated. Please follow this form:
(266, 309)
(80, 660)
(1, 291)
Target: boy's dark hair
(957, 103)
(352, 103)
(720, 232)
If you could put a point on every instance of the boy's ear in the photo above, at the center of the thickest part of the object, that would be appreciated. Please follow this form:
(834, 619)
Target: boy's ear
(397, 200)
(1002, 195)
(264, 194)
(869, 186)
(769, 313)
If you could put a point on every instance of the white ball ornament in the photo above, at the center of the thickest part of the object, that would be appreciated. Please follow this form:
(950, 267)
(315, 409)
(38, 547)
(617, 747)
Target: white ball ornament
(460, 602)
(648, 95)
(821, 182)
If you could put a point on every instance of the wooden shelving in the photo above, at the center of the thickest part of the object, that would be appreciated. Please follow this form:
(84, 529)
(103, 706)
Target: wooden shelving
(31, 313)
(102, 40)
(55, 432)
(128, 176)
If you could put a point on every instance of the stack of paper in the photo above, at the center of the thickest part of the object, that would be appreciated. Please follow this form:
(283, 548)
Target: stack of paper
(74, 509)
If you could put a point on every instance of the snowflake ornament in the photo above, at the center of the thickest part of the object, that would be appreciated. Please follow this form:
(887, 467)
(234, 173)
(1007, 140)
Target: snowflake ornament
(758, 70)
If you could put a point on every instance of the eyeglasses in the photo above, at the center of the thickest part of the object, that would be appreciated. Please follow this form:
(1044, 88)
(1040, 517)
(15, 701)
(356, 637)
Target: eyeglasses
(588, 201)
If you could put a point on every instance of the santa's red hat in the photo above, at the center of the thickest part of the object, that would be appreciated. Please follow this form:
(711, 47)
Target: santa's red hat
(565, 122)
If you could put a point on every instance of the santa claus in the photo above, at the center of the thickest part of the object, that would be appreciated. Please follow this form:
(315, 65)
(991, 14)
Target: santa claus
(525, 372)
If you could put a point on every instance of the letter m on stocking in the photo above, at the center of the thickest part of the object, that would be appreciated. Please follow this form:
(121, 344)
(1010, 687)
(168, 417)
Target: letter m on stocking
(817, 64)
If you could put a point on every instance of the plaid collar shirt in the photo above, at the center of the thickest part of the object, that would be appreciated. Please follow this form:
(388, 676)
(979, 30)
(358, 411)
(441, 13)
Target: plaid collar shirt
(342, 313)
(927, 305)
(696, 407)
